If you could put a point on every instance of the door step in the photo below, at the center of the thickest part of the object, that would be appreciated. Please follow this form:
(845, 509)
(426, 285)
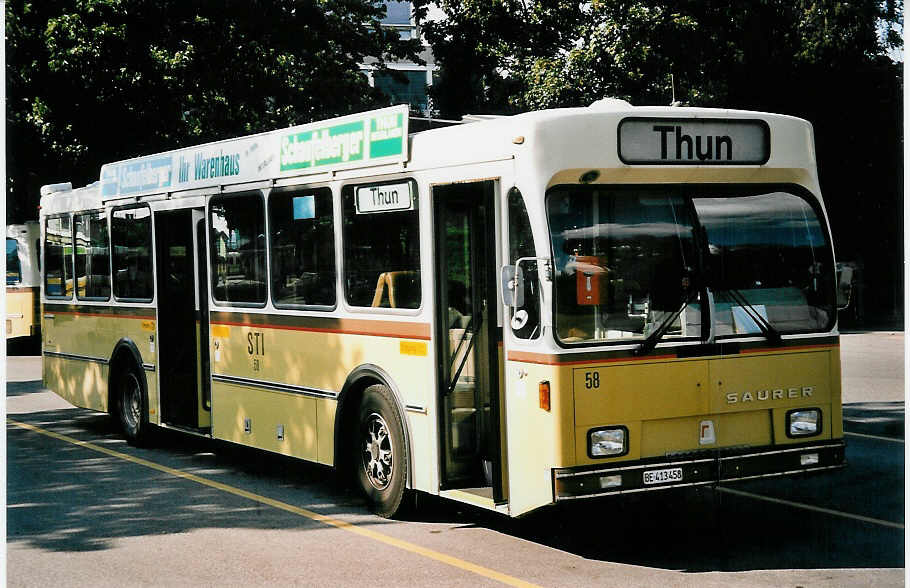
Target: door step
(199, 431)
(482, 497)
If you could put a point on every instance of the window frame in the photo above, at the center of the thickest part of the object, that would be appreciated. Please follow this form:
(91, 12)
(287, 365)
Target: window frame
(210, 253)
(516, 192)
(342, 270)
(44, 276)
(151, 242)
(290, 190)
(110, 270)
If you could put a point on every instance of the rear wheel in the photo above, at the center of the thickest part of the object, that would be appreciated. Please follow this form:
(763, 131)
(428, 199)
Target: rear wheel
(379, 456)
(132, 406)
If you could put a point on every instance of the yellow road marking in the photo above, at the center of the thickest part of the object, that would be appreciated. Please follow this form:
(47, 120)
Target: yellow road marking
(399, 543)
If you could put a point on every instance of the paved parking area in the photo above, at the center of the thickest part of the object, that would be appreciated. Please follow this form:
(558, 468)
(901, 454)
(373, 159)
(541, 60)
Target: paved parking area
(192, 511)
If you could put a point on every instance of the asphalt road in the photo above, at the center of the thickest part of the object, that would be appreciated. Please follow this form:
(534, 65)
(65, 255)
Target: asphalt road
(85, 509)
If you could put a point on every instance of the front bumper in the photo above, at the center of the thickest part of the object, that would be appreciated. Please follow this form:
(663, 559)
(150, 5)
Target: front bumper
(696, 469)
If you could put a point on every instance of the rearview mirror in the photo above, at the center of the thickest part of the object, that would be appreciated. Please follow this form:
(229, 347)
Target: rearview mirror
(844, 285)
(513, 291)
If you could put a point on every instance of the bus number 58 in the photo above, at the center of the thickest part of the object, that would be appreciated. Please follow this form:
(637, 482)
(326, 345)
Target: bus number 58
(592, 380)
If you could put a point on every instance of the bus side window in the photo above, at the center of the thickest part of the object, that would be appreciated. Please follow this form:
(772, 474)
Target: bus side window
(238, 248)
(13, 272)
(58, 247)
(302, 237)
(131, 239)
(521, 244)
(382, 249)
(93, 276)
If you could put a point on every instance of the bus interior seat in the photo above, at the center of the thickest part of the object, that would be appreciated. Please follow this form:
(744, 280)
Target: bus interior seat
(398, 287)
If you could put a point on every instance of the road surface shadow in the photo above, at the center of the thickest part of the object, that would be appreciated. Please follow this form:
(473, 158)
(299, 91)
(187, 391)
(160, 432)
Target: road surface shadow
(82, 500)
(875, 418)
(54, 504)
(23, 388)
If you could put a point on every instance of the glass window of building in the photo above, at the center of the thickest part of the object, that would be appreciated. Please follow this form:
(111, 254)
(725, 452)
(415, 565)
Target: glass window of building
(397, 12)
(408, 87)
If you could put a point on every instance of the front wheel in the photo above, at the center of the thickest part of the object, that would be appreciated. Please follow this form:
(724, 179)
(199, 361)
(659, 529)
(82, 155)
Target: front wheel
(132, 406)
(380, 455)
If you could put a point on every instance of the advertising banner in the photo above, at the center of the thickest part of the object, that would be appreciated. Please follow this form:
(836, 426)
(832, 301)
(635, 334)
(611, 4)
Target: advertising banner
(361, 140)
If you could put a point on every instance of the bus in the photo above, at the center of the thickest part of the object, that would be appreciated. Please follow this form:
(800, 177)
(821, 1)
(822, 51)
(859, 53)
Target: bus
(22, 287)
(512, 313)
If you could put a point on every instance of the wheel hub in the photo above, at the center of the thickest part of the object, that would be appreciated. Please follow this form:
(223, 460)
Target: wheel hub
(377, 451)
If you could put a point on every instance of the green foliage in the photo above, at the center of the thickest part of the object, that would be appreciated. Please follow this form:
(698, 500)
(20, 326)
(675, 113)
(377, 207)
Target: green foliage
(824, 60)
(507, 55)
(92, 81)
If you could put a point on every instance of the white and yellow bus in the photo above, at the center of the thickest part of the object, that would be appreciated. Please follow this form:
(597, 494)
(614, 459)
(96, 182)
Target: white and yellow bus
(23, 242)
(510, 313)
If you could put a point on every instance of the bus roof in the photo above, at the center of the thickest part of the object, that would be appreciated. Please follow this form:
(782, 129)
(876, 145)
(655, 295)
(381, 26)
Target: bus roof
(584, 137)
(605, 134)
(64, 200)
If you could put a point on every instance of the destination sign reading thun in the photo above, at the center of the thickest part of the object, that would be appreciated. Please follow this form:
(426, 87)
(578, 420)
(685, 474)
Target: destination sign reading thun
(694, 141)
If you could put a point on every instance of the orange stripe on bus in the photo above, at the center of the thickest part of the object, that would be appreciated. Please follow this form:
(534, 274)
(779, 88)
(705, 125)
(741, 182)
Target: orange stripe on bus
(413, 331)
(102, 314)
(793, 348)
(545, 359)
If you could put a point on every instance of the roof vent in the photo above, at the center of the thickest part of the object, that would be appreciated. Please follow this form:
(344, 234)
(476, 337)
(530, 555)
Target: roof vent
(611, 104)
(54, 188)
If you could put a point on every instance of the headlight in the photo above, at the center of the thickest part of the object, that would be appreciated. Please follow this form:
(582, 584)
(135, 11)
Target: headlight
(608, 442)
(804, 422)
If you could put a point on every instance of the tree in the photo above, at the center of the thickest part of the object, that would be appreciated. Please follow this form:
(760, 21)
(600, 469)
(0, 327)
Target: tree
(552, 53)
(827, 61)
(93, 81)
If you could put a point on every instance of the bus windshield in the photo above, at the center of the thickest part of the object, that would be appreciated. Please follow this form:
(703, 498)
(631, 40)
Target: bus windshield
(627, 260)
(767, 254)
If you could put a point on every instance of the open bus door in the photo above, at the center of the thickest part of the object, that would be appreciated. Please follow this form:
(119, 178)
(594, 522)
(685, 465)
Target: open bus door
(468, 339)
(181, 272)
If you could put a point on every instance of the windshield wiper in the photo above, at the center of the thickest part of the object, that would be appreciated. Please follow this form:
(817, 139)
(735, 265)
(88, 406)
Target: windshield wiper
(770, 333)
(652, 339)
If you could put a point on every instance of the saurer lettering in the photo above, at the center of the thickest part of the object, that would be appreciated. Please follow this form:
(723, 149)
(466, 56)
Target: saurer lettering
(770, 394)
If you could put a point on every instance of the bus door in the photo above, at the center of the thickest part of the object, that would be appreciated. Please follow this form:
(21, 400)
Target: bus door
(468, 338)
(182, 318)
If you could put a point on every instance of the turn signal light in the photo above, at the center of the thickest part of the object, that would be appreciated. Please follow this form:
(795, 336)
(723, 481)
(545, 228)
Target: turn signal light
(543, 393)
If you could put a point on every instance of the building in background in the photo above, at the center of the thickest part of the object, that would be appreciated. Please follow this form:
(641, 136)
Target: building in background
(413, 90)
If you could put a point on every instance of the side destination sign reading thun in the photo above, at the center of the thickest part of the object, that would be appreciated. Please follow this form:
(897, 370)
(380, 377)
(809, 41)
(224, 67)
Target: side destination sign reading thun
(361, 140)
(694, 141)
(384, 198)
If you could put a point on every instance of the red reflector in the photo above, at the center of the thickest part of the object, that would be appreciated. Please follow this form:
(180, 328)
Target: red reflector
(544, 395)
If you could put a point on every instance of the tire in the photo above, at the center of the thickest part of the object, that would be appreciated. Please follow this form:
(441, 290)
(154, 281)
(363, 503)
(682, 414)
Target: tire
(131, 405)
(379, 456)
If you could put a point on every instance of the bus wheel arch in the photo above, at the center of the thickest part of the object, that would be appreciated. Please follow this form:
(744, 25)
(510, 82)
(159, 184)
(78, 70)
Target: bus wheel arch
(126, 379)
(348, 412)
